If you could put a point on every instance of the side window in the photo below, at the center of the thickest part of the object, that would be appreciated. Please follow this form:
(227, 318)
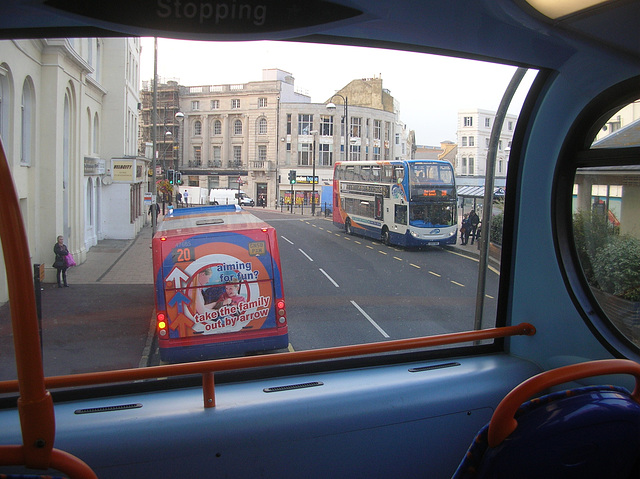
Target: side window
(400, 214)
(605, 209)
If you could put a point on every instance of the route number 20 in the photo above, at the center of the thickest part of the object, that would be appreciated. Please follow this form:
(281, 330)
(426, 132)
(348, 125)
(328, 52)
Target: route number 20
(183, 255)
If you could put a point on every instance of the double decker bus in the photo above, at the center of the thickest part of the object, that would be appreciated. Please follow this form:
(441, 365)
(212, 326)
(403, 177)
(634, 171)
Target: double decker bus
(218, 284)
(402, 202)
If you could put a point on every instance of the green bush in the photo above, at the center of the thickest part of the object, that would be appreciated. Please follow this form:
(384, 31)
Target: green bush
(496, 229)
(591, 233)
(616, 267)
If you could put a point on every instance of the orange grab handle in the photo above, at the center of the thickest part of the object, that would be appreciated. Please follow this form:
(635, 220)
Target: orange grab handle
(60, 460)
(35, 406)
(503, 422)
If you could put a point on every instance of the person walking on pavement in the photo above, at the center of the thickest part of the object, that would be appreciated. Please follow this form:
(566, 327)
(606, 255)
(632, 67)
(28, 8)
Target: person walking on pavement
(474, 219)
(60, 264)
(464, 230)
(154, 208)
(185, 196)
(178, 199)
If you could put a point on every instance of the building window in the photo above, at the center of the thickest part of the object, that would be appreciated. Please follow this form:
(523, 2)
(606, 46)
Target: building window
(262, 126)
(237, 157)
(487, 122)
(397, 138)
(510, 125)
(464, 166)
(486, 142)
(305, 123)
(377, 129)
(26, 121)
(215, 104)
(195, 105)
(464, 141)
(197, 128)
(237, 127)
(500, 145)
(288, 123)
(356, 127)
(197, 156)
(472, 141)
(262, 154)
(326, 125)
(217, 127)
(217, 157)
(262, 102)
(376, 153)
(471, 166)
(304, 154)
(325, 154)
(235, 104)
(355, 152)
(468, 121)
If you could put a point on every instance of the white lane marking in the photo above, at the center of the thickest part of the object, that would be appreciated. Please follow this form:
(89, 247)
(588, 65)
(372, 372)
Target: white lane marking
(375, 325)
(306, 255)
(286, 239)
(329, 278)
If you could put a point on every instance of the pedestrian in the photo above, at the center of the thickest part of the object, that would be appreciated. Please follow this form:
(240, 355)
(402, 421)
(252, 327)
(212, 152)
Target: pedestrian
(464, 228)
(178, 199)
(185, 197)
(474, 219)
(60, 264)
(154, 207)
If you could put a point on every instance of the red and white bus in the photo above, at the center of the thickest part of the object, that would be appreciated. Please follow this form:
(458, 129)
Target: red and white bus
(218, 285)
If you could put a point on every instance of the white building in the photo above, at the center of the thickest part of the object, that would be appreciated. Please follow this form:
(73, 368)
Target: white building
(259, 131)
(67, 107)
(474, 130)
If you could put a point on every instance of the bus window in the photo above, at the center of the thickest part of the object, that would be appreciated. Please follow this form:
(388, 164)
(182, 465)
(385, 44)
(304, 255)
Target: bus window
(606, 224)
(400, 214)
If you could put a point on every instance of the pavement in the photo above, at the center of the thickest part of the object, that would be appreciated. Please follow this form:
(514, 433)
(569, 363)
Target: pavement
(104, 320)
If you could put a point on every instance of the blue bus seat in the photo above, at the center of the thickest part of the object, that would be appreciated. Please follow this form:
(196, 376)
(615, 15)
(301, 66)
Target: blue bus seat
(588, 432)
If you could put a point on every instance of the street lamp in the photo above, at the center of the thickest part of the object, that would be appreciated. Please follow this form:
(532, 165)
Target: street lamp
(313, 175)
(332, 106)
(179, 117)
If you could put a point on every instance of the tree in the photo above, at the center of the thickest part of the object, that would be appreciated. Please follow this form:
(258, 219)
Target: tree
(165, 188)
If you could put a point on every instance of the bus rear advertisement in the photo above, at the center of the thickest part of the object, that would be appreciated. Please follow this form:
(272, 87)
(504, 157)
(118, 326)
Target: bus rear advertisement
(218, 285)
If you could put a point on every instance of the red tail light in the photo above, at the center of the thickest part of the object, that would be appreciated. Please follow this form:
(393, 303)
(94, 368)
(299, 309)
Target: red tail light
(281, 312)
(161, 321)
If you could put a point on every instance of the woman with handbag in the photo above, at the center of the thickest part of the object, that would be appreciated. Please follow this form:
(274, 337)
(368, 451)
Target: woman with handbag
(60, 264)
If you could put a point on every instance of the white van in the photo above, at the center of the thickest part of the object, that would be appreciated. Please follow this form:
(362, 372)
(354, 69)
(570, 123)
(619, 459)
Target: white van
(224, 196)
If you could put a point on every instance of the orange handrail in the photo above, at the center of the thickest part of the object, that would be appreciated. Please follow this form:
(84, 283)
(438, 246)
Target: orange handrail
(35, 406)
(205, 367)
(503, 422)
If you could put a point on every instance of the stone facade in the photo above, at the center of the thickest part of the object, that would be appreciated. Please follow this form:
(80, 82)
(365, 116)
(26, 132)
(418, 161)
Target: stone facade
(60, 134)
(258, 131)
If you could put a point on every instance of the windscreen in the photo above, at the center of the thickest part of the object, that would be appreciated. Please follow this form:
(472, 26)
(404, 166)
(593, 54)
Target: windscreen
(96, 154)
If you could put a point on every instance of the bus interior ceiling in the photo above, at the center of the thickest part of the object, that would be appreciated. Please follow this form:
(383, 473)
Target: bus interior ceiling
(354, 412)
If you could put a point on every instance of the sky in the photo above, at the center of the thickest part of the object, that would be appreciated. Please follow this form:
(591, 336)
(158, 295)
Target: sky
(430, 89)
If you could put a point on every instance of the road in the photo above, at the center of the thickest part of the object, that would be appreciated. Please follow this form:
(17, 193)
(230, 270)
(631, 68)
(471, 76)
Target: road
(343, 289)
(340, 290)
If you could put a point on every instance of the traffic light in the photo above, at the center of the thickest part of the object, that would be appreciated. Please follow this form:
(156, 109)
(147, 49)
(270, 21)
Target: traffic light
(178, 177)
(292, 177)
(171, 176)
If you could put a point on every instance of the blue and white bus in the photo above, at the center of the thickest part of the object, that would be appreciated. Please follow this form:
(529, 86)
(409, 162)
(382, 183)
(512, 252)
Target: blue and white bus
(402, 202)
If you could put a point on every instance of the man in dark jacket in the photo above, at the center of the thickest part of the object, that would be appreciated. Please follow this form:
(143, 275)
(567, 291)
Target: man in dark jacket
(474, 219)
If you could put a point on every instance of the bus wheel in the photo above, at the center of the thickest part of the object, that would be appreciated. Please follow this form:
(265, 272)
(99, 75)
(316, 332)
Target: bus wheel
(385, 236)
(347, 227)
